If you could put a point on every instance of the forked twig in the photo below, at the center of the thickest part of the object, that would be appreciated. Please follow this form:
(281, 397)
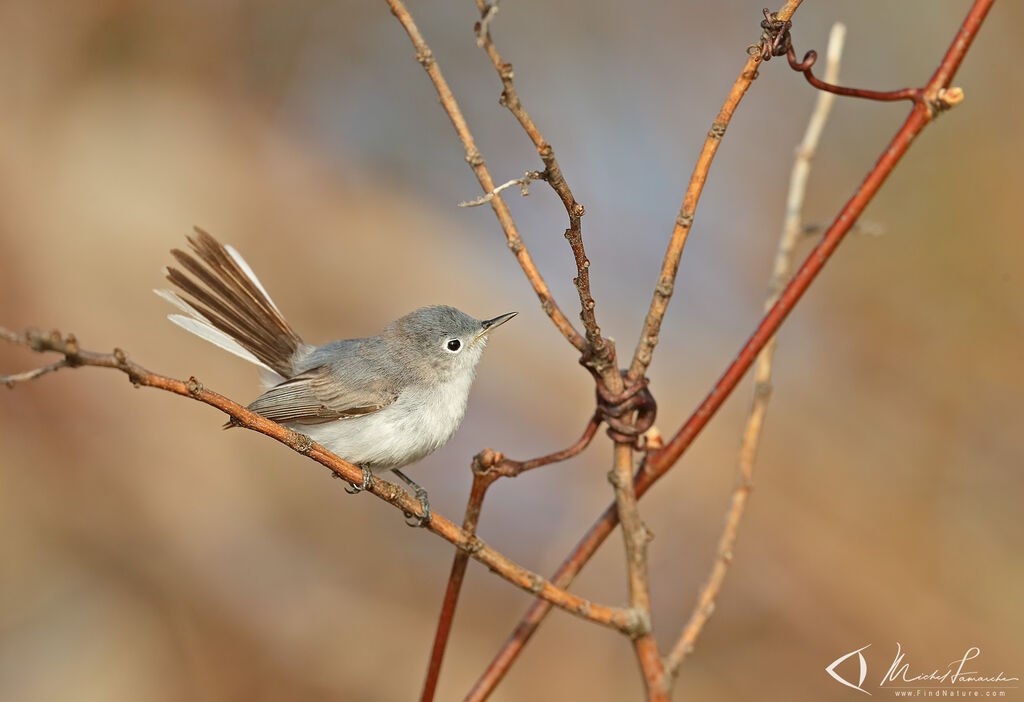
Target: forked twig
(600, 358)
(483, 175)
(658, 463)
(600, 352)
(792, 231)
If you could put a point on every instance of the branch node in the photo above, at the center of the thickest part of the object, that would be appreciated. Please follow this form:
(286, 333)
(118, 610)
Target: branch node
(945, 99)
(425, 57)
(71, 350)
(638, 623)
(717, 130)
(475, 544)
(473, 158)
(195, 388)
(685, 219)
(484, 461)
(303, 444)
(775, 37)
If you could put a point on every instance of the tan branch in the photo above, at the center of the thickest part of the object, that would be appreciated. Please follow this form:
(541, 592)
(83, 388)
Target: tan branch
(624, 620)
(670, 266)
(636, 537)
(600, 354)
(792, 231)
(483, 175)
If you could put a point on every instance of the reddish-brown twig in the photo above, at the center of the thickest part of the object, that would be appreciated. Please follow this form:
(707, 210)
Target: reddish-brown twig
(670, 266)
(658, 463)
(476, 162)
(792, 232)
(622, 619)
(488, 466)
(811, 56)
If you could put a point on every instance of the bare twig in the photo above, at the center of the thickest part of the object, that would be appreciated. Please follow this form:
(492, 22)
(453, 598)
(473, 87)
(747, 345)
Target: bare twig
(488, 466)
(523, 183)
(804, 66)
(636, 537)
(15, 378)
(483, 175)
(621, 619)
(659, 462)
(670, 266)
(483, 27)
(451, 594)
(792, 230)
(600, 353)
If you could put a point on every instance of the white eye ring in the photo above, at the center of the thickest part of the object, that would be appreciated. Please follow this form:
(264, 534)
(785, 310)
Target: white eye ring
(453, 346)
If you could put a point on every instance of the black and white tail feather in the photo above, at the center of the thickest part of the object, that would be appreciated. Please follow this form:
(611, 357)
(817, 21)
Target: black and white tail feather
(228, 306)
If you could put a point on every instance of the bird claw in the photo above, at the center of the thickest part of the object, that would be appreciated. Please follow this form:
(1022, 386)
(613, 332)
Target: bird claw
(416, 520)
(420, 520)
(367, 483)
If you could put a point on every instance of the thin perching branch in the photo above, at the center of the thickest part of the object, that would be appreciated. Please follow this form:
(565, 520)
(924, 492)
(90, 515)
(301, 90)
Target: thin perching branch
(792, 231)
(74, 357)
(658, 463)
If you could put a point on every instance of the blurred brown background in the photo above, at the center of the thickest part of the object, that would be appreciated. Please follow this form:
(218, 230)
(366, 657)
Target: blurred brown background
(146, 555)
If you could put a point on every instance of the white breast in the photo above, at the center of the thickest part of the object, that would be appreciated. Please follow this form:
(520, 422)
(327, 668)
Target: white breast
(415, 425)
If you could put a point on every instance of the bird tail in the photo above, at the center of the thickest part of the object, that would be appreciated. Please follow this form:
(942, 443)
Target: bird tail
(227, 306)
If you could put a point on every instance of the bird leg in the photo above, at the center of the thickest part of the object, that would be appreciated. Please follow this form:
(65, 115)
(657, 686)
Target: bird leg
(421, 495)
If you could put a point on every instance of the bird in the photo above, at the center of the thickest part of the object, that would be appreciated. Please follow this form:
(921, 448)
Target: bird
(380, 402)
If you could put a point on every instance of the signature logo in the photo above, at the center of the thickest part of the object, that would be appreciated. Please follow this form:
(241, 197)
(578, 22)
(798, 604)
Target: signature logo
(831, 670)
(901, 678)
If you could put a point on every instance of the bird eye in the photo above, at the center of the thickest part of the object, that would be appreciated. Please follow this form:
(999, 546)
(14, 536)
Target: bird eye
(454, 345)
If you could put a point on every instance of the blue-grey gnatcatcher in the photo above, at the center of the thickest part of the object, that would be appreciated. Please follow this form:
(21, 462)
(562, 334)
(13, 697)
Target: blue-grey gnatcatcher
(379, 403)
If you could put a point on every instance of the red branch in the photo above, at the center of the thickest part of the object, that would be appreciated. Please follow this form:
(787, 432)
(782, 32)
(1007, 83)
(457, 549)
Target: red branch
(488, 466)
(660, 462)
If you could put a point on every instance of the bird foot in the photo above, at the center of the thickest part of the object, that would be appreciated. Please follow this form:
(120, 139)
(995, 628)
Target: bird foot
(417, 520)
(367, 483)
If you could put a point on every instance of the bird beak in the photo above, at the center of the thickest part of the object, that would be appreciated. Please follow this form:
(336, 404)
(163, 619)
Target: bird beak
(490, 325)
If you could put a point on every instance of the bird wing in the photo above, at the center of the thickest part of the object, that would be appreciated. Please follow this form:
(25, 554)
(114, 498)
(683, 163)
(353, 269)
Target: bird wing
(318, 395)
